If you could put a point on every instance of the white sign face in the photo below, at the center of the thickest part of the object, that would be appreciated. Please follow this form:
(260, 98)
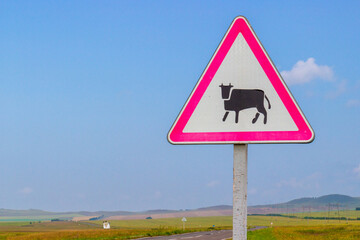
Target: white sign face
(183, 219)
(241, 69)
(240, 98)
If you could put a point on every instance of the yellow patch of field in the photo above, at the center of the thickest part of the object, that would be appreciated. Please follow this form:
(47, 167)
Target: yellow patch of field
(79, 234)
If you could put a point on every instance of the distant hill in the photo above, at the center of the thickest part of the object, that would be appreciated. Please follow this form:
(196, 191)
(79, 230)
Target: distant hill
(323, 203)
(29, 212)
(343, 200)
(33, 215)
(219, 207)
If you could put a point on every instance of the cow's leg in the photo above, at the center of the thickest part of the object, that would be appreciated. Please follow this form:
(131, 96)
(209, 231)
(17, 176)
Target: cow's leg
(236, 116)
(256, 118)
(262, 110)
(225, 116)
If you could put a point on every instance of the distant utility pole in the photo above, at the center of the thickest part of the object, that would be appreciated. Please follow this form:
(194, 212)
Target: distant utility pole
(184, 220)
(303, 210)
(308, 218)
(346, 213)
(287, 211)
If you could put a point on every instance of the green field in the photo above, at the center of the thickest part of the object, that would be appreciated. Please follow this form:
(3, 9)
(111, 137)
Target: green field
(281, 228)
(350, 214)
(325, 232)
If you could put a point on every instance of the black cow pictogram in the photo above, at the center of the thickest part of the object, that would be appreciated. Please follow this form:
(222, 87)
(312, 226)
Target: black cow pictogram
(241, 99)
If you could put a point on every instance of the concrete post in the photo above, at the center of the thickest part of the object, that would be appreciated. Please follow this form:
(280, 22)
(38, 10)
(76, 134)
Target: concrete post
(240, 192)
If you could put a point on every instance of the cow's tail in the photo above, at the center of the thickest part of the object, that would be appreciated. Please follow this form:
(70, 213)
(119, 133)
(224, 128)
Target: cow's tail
(268, 101)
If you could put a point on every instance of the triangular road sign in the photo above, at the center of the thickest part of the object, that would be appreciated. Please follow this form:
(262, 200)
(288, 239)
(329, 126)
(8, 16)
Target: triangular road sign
(240, 98)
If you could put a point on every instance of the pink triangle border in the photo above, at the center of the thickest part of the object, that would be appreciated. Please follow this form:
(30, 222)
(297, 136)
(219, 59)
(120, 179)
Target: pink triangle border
(304, 134)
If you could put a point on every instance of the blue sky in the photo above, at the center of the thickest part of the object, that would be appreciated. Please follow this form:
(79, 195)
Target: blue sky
(89, 90)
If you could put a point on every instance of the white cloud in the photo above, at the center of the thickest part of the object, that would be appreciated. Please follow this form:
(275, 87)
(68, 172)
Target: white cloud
(26, 190)
(357, 171)
(212, 184)
(353, 103)
(303, 72)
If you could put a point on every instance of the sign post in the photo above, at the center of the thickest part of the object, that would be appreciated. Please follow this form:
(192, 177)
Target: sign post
(183, 220)
(240, 191)
(240, 99)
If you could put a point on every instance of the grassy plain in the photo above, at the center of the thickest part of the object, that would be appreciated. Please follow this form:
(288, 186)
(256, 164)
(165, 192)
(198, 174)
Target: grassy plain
(283, 228)
(286, 221)
(173, 223)
(93, 229)
(351, 214)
